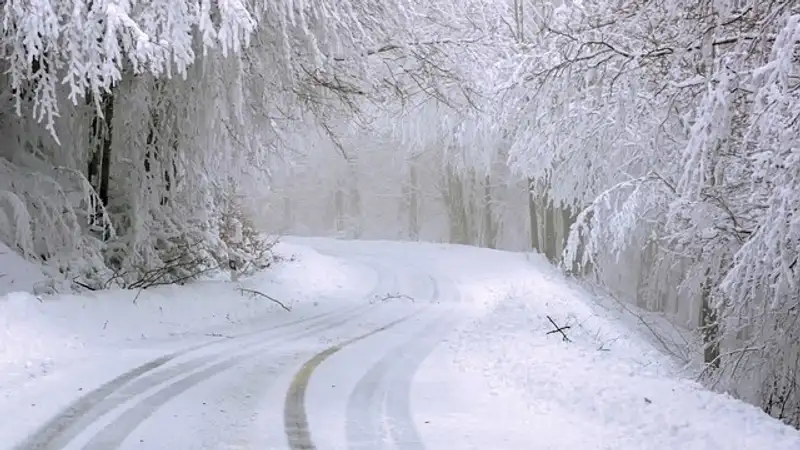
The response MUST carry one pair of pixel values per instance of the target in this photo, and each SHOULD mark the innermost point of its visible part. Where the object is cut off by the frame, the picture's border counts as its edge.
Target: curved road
(338, 379)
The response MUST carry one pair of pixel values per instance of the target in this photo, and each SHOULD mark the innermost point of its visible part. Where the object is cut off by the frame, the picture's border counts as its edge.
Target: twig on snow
(253, 292)
(83, 285)
(138, 293)
(219, 335)
(559, 329)
(395, 297)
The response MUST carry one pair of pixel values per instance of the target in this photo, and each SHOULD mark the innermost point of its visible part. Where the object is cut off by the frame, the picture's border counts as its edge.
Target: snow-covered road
(303, 374)
(432, 347)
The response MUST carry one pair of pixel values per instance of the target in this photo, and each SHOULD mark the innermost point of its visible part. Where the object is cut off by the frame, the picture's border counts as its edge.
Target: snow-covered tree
(671, 127)
(128, 123)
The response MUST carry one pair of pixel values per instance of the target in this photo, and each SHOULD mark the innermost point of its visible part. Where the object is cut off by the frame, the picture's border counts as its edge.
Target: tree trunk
(339, 206)
(413, 206)
(354, 207)
(160, 158)
(455, 200)
(709, 325)
(105, 165)
(549, 229)
(645, 259)
(99, 170)
(93, 175)
(534, 219)
(489, 227)
(567, 219)
(471, 213)
(287, 212)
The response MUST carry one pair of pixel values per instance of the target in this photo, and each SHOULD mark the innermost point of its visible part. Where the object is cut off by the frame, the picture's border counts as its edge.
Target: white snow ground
(471, 367)
(16, 274)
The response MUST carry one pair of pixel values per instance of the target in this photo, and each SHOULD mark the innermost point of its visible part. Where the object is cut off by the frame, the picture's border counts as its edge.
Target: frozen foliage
(87, 45)
(136, 131)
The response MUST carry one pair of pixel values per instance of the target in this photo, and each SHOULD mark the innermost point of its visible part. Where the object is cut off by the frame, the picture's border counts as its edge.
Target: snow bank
(308, 273)
(608, 387)
(27, 343)
(17, 274)
(483, 277)
(24, 344)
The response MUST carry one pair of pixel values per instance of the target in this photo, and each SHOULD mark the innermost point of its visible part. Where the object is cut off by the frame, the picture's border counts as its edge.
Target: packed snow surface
(387, 345)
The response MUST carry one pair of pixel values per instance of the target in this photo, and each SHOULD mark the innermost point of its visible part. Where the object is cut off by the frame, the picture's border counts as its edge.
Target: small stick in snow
(251, 291)
(219, 335)
(559, 329)
(397, 297)
(138, 293)
(83, 285)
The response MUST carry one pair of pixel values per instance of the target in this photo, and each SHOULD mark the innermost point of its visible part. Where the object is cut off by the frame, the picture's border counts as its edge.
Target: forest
(649, 148)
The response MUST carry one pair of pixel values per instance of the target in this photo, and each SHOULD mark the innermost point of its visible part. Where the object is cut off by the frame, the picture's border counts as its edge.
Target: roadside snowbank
(476, 271)
(608, 387)
(17, 274)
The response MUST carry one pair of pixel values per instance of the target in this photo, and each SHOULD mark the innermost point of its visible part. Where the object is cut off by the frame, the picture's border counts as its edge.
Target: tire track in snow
(81, 413)
(402, 430)
(365, 404)
(366, 416)
(113, 435)
(59, 430)
(294, 413)
(383, 392)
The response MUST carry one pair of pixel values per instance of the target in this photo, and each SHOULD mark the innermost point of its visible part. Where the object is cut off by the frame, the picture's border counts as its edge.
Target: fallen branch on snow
(83, 285)
(397, 296)
(219, 335)
(253, 292)
(559, 329)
